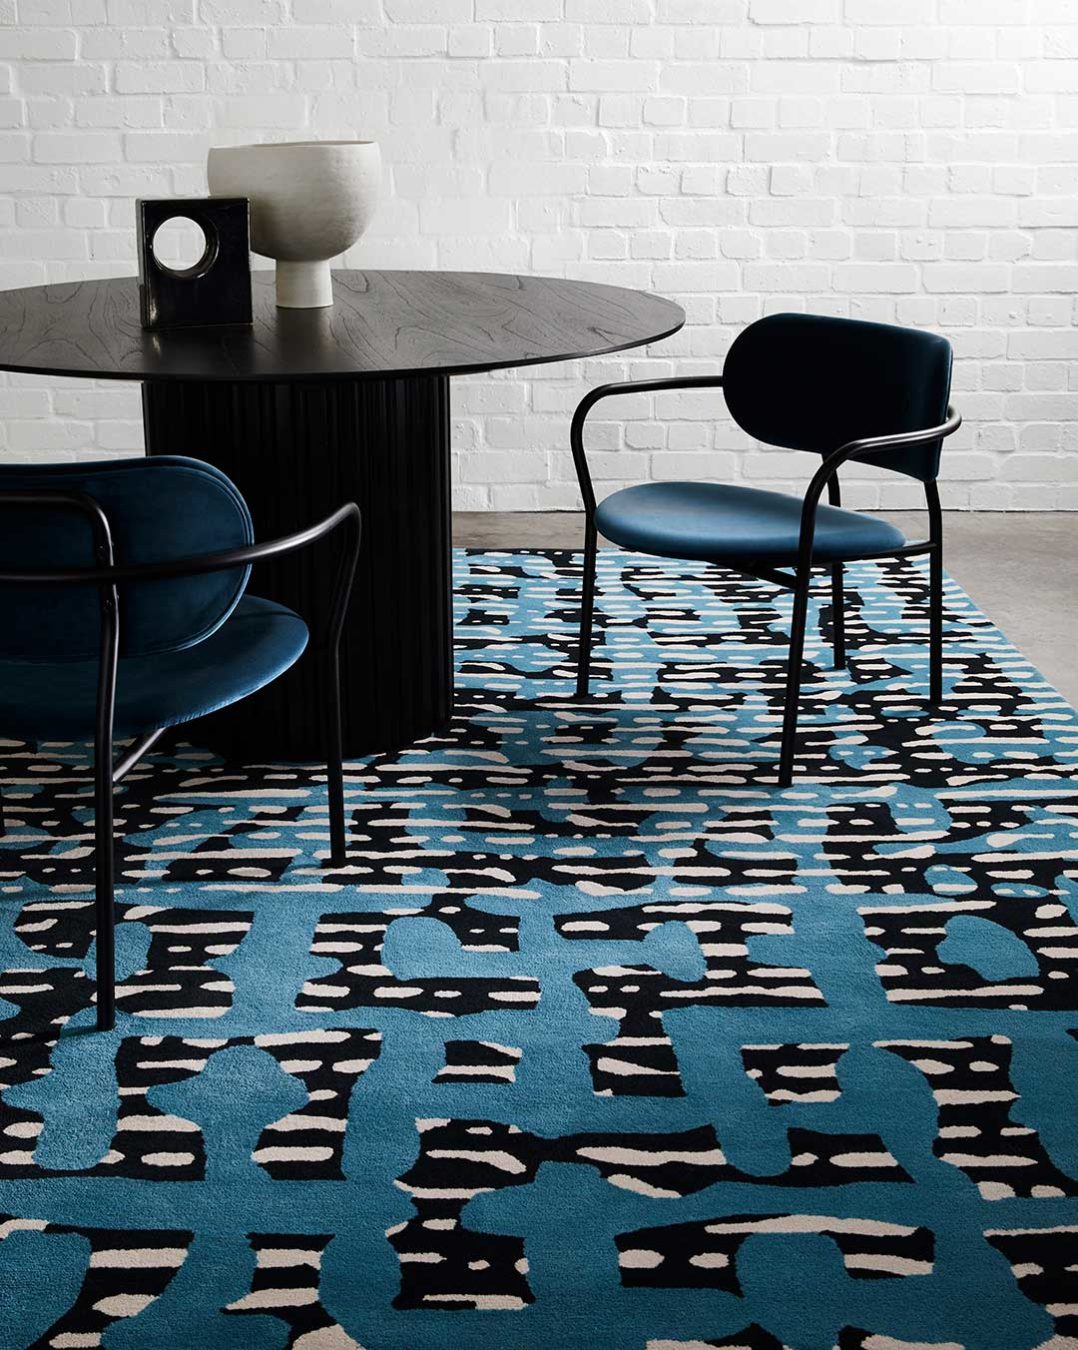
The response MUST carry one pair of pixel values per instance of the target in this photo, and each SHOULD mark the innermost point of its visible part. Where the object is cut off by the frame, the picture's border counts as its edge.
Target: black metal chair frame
(108, 773)
(799, 582)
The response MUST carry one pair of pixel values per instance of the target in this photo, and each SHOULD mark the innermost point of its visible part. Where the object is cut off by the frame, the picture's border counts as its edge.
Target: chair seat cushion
(58, 700)
(716, 521)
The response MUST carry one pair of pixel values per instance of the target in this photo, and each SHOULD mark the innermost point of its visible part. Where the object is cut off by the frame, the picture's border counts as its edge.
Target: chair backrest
(159, 509)
(809, 382)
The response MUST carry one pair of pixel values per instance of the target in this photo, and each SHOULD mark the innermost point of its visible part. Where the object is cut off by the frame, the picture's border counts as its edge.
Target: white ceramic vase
(310, 201)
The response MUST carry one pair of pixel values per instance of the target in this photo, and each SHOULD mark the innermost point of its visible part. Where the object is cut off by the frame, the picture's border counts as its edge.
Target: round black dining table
(306, 409)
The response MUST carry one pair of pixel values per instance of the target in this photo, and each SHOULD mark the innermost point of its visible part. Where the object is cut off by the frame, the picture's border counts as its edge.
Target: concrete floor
(1020, 568)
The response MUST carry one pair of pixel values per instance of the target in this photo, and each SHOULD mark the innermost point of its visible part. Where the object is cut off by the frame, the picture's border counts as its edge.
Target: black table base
(297, 451)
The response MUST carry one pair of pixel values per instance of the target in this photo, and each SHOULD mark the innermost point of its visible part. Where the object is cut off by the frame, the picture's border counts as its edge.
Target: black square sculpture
(217, 288)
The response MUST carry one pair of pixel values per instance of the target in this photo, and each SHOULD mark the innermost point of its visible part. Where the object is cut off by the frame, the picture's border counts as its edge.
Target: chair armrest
(859, 450)
(108, 577)
(869, 445)
(576, 431)
(196, 565)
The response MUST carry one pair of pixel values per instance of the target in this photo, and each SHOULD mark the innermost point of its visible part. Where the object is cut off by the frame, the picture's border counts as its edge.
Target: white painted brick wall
(903, 160)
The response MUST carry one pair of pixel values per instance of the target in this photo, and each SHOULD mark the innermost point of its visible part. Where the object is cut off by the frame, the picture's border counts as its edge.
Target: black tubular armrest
(860, 450)
(108, 576)
(186, 567)
(576, 431)
(870, 445)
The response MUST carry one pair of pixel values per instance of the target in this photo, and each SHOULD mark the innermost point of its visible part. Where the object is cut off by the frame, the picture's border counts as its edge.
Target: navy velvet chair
(839, 388)
(123, 611)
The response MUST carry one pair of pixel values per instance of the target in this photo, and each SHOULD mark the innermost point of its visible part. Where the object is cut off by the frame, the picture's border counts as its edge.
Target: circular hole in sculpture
(182, 247)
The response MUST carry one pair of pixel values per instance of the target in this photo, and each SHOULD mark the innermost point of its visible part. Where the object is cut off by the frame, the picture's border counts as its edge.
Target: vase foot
(304, 285)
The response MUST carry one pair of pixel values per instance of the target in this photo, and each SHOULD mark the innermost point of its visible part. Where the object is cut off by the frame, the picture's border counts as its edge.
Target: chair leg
(838, 616)
(338, 849)
(587, 609)
(935, 624)
(793, 678)
(105, 883)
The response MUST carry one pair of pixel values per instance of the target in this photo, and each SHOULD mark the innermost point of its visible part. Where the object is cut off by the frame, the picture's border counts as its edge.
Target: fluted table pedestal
(296, 451)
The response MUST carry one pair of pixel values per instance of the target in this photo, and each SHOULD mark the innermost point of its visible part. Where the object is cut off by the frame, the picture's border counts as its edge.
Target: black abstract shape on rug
(356, 940)
(178, 979)
(151, 1144)
(640, 1059)
(127, 1270)
(704, 1254)
(459, 1160)
(286, 1284)
(972, 1087)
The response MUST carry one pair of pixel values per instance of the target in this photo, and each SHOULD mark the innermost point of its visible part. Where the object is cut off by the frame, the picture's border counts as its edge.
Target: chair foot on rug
(104, 880)
(338, 842)
(792, 696)
(838, 616)
(587, 610)
(935, 630)
(935, 596)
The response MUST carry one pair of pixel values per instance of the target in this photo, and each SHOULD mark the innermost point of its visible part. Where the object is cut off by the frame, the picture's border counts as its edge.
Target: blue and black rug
(600, 1041)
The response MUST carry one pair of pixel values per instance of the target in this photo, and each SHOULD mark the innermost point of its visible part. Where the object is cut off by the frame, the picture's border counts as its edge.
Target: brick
(524, 180)
(290, 43)
(77, 147)
(795, 11)
(37, 44)
(967, 77)
(610, 76)
(976, 279)
(159, 77)
(280, 111)
(907, 13)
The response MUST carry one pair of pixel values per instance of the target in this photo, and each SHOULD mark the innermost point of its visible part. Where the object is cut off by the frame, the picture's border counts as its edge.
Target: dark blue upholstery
(712, 522)
(188, 645)
(57, 701)
(159, 508)
(809, 382)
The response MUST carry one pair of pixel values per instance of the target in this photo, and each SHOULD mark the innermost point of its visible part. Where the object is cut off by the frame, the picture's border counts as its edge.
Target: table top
(381, 324)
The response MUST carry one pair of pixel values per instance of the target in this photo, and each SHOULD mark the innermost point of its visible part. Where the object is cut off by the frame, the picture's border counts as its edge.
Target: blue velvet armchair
(842, 389)
(123, 596)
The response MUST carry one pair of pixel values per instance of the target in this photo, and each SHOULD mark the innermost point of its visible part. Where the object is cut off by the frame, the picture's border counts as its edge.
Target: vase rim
(289, 145)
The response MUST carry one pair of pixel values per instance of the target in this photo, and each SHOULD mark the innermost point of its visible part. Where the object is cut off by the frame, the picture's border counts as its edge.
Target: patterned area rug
(600, 1040)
